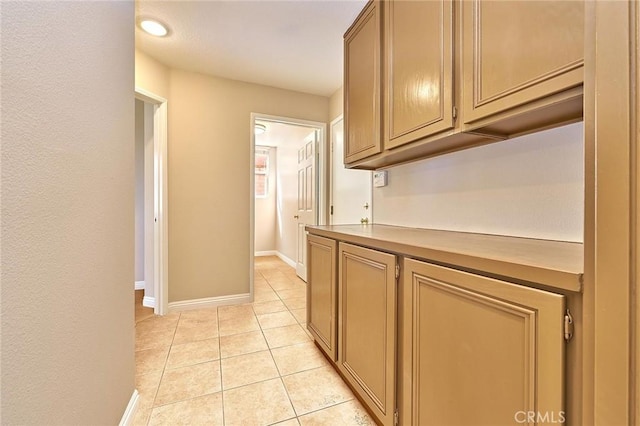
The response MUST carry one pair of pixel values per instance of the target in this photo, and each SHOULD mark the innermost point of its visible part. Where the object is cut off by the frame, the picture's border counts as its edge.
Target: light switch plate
(380, 179)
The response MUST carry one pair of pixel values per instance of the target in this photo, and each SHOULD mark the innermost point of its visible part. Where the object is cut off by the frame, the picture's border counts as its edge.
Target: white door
(306, 214)
(350, 189)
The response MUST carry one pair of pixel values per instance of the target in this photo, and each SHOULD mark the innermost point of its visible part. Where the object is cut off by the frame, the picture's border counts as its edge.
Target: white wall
(67, 228)
(139, 189)
(265, 215)
(531, 186)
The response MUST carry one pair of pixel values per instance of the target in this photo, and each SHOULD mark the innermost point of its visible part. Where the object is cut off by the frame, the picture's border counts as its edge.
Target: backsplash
(531, 186)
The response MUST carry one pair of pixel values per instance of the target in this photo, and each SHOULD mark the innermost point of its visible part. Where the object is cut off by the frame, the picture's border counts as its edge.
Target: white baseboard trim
(130, 411)
(286, 260)
(210, 302)
(139, 285)
(149, 302)
(265, 253)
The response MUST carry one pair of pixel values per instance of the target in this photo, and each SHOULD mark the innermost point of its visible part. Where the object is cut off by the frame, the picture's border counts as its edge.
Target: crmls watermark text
(539, 417)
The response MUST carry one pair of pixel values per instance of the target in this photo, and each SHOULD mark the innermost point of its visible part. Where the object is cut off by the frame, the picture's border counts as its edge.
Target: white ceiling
(280, 134)
(295, 45)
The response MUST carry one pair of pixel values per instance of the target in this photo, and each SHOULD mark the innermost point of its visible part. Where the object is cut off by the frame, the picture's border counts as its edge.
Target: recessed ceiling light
(153, 27)
(259, 128)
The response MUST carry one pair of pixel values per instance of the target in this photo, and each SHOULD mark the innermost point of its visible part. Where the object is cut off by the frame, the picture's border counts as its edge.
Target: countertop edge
(554, 277)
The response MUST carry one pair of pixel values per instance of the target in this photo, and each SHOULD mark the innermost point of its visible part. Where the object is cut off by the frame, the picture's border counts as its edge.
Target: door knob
(296, 217)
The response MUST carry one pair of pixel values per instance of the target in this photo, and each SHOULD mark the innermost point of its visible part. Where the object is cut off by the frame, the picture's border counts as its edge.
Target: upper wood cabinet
(516, 52)
(362, 85)
(458, 74)
(418, 64)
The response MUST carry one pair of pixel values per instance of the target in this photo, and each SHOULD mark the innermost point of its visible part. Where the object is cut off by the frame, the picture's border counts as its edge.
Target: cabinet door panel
(362, 85)
(321, 293)
(419, 67)
(483, 350)
(367, 324)
(519, 51)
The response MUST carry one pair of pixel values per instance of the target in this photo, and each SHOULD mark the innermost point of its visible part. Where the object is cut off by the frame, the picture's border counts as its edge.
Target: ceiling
(280, 134)
(294, 45)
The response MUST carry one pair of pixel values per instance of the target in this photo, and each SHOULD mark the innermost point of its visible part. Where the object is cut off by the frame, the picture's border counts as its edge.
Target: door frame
(331, 162)
(322, 179)
(160, 200)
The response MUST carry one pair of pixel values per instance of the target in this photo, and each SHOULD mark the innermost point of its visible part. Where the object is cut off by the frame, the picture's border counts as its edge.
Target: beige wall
(209, 168)
(532, 186)
(151, 75)
(67, 212)
(336, 104)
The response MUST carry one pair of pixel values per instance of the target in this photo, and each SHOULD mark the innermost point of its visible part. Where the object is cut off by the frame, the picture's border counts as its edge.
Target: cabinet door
(321, 292)
(362, 85)
(484, 351)
(418, 70)
(515, 52)
(367, 326)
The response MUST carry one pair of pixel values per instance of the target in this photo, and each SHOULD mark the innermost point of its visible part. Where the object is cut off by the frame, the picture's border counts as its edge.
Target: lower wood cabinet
(321, 293)
(367, 326)
(435, 345)
(483, 351)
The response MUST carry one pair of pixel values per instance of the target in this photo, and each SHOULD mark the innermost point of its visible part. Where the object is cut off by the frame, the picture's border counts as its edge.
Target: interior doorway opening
(350, 189)
(289, 186)
(151, 202)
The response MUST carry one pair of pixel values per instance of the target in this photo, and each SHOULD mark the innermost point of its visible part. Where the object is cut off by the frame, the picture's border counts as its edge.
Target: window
(262, 172)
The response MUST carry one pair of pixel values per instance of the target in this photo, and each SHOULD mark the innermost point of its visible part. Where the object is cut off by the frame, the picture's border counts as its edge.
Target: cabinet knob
(296, 217)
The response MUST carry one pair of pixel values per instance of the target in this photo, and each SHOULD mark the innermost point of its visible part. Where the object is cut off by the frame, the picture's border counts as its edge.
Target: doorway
(350, 189)
(152, 262)
(296, 174)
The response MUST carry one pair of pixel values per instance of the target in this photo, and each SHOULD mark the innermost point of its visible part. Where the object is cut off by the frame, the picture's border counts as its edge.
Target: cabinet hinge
(397, 271)
(568, 326)
(455, 113)
(395, 417)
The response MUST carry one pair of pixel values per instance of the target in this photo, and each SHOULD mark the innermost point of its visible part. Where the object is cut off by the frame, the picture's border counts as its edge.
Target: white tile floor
(251, 364)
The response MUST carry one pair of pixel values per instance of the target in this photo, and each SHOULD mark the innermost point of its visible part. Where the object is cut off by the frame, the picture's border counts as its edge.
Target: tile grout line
(220, 357)
(164, 368)
(284, 386)
(220, 361)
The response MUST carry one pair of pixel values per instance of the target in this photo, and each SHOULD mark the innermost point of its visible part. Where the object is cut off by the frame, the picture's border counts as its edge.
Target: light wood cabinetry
(519, 52)
(367, 326)
(362, 85)
(321, 293)
(458, 74)
(484, 351)
(418, 78)
(442, 345)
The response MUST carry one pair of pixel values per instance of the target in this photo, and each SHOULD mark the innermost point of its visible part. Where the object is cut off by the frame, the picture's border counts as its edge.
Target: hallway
(252, 364)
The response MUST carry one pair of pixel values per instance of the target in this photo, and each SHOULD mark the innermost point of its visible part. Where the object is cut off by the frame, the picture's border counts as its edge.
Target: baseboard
(210, 302)
(286, 260)
(282, 257)
(139, 285)
(130, 411)
(149, 302)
